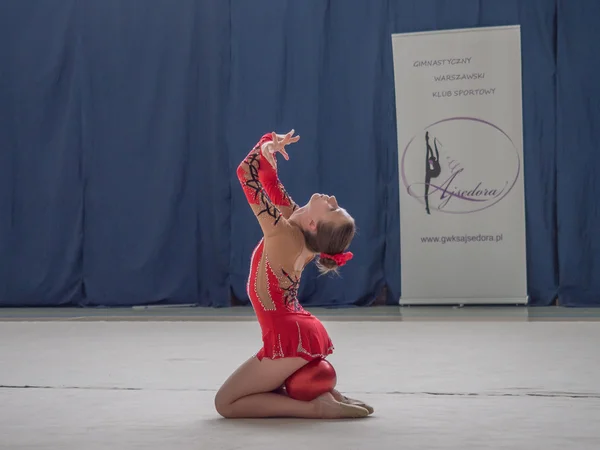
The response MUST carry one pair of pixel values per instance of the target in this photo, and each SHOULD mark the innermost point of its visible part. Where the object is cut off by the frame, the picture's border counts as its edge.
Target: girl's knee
(223, 405)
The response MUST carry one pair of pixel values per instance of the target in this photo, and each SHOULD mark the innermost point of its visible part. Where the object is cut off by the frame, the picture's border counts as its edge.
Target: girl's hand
(279, 141)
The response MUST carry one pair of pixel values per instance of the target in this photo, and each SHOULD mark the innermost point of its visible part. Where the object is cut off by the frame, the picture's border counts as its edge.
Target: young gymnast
(292, 337)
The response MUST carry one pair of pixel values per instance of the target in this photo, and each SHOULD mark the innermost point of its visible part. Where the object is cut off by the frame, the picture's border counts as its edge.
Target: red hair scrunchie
(340, 259)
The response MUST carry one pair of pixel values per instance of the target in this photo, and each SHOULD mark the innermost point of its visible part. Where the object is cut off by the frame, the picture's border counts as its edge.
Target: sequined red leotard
(287, 329)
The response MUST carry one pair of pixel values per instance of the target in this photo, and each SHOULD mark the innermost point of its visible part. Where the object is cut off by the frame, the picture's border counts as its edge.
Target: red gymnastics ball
(312, 380)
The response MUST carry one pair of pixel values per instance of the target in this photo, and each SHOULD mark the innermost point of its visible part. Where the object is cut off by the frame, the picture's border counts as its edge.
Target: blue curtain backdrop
(578, 152)
(122, 123)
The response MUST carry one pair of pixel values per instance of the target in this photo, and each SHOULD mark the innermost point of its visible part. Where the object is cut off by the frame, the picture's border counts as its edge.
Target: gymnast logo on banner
(460, 165)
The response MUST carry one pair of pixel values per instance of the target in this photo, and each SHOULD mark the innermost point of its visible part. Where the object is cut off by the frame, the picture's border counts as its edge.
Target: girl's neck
(306, 255)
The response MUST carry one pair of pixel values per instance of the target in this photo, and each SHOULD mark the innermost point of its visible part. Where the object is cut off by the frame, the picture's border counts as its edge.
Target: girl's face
(324, 208)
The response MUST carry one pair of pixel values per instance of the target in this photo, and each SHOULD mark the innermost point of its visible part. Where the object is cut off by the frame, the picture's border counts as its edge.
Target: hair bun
(328, 262)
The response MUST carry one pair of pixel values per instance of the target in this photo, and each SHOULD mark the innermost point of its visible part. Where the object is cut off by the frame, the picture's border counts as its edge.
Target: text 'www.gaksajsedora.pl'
(465, 239)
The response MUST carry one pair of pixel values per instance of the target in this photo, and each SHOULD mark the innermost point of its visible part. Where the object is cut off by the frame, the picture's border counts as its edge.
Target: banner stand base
(517, 301)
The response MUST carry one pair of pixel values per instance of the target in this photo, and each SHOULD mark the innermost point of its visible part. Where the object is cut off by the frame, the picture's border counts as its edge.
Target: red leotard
(287, 329)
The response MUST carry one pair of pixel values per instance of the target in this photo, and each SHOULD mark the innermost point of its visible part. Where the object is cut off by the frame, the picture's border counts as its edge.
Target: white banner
(460, 143)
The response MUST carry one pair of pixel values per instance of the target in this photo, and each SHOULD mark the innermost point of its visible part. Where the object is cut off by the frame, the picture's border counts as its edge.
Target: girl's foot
(350, 401)
(329, 408)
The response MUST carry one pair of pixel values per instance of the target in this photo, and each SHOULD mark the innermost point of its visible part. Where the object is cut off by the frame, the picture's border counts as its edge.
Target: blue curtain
(122, 123)
(41, 173)
(578, 152)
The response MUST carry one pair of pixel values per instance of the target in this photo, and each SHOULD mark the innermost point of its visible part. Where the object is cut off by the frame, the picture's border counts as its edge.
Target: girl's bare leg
(248, 393)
